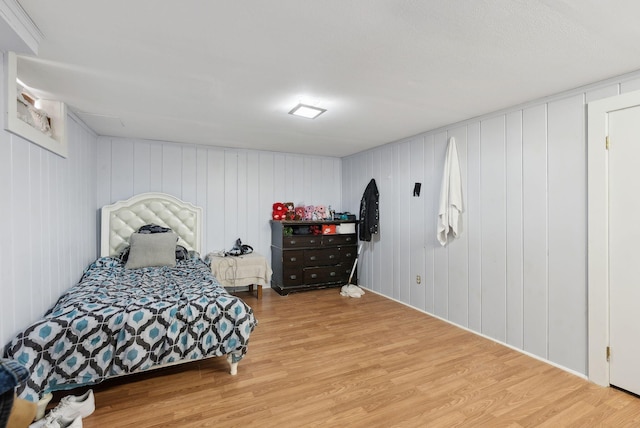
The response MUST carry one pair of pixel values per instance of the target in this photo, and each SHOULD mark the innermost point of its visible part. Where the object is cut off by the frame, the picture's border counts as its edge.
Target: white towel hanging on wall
(451, 207)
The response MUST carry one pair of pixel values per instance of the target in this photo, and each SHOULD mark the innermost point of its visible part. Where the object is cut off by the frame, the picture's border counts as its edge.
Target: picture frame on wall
(39, 120)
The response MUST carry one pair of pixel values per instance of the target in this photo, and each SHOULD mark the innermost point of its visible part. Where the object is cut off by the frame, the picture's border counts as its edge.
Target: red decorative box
(329, 229)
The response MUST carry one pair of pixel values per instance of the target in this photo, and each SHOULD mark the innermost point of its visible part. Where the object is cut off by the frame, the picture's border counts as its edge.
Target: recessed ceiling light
(305, 110)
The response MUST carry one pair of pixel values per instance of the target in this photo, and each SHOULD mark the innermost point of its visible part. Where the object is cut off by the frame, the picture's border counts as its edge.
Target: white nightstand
(241, 271)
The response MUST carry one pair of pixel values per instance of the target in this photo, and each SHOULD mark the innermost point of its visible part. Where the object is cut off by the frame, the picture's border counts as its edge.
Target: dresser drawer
(322, 257)
(325, 274)
(348, 254)
(301, 241)
(339, 240)
(294, 258)
(292, 276)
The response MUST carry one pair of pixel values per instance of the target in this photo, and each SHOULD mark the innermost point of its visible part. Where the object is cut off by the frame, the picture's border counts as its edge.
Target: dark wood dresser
(304, 261)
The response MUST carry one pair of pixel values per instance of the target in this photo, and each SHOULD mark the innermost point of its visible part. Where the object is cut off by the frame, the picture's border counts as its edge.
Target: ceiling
(226, 73)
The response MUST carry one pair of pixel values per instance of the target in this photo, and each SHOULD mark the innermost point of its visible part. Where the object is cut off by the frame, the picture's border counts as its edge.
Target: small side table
(241, 271)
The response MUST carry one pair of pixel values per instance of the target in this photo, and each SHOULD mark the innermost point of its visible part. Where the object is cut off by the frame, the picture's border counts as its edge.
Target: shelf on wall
(56, 112)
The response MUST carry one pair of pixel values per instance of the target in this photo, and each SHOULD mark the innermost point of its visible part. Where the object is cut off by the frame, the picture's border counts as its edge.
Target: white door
(624, 248)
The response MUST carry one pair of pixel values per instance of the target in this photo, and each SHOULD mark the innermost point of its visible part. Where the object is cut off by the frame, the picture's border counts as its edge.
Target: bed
(124, 318)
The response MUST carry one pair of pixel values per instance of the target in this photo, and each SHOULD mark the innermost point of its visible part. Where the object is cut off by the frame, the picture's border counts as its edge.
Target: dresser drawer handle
(312, 258)
(312, 241)
(292, 242)
(348, 255)
(332, 256)
(330, 240)
(293, 276)
(348, 239)
(314, 276)
(332, 274)
(293, 259)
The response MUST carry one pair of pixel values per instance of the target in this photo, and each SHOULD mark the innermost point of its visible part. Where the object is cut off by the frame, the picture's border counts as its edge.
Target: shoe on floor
(62, 422)
(69, 408)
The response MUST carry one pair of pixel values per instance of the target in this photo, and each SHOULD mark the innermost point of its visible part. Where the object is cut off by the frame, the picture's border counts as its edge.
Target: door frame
(598, 231)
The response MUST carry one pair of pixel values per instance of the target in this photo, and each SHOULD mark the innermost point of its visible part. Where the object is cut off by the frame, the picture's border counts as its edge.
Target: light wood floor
(318, 359)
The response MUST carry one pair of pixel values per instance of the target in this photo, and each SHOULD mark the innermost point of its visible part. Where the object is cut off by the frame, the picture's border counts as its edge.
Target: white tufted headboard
(121, 219)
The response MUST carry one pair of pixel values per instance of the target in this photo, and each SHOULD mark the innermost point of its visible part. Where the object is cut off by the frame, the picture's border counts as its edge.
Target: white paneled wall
(236, 188)
(49, 220)
(518, 272)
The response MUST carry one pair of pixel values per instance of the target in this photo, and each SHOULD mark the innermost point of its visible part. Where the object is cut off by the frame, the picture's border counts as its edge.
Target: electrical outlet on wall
(418, 279)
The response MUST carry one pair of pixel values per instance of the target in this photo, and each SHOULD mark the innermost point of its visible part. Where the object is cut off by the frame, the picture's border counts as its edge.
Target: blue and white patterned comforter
(118, 321)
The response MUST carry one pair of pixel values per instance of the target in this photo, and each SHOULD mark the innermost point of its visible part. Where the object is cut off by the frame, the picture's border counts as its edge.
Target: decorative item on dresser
(302, 260)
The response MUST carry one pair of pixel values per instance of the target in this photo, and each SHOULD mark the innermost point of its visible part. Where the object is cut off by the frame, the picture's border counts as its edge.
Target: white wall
(236, 188)
(48, 214)
(518, 272)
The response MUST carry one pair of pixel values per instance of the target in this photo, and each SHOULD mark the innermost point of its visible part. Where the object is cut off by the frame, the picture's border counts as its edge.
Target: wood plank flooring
(318, 359)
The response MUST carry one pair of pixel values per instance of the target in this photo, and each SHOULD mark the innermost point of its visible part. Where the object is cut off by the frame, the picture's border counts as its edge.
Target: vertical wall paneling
(567, 239)
(299, 196)
(50, 219)
(375, 263)
(122, 177)
(458, 249)
(236, 188)
(522, 257)
(257, 214)
(535, 235)
(347, 181)
(214, 213)
(142, 169)
(514, 227)
(74, 264)
(387, 219)
(201, 176)
(307, 180)
(7, 271)
(47, 233)
(171, 168)
(360, 176)
(417, 224)
(430, 187)
(280, 176)
(56, 187)
(317, 182)
(404, 224)
(289, 185)
(474, 225)
(242, 206)
(103, 189)
(156, 163)
(399, 242)
(440, 253)
(493, 212)
(327, 178)
(34, 211)
(189, 174)
(267, 192)
(21, 230)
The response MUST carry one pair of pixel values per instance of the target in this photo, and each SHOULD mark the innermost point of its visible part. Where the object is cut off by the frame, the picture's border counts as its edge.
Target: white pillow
(152, 249)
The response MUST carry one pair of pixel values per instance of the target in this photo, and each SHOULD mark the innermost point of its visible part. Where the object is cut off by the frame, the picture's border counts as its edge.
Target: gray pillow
(156, 249)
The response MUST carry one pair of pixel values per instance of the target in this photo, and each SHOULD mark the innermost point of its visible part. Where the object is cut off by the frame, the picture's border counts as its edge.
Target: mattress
(117, 321)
